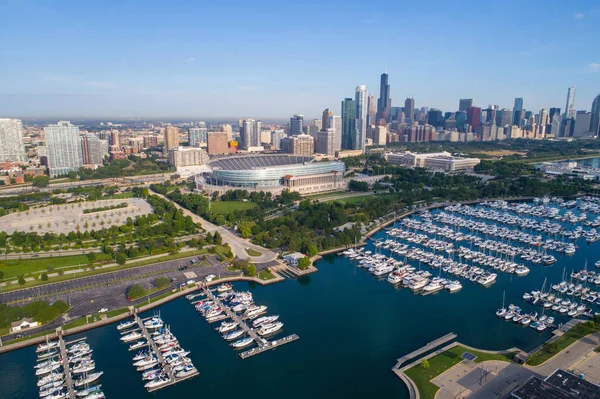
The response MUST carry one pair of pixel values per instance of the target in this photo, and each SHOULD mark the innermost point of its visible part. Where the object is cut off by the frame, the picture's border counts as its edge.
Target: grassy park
(442, 362)
(226, 207)
(18, 267)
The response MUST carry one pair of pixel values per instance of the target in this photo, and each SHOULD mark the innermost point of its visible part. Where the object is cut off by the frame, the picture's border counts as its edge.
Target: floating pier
(165, 366)
(268, 346)
(263, 344)
(66, 367)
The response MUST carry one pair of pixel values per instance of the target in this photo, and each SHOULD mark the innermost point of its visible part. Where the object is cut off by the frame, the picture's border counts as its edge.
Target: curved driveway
(238, 245)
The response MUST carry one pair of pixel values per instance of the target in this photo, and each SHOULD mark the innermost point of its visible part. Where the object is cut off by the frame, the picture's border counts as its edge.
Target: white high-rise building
(250, 133)
(544, 116)
(197, 136)
(570, 111)
(11, 141)
(362, 107)
(337, 138)
(64, 148)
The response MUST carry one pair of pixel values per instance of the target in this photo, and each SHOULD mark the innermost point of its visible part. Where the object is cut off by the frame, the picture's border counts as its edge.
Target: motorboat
(86, 380)
(48, 369)
(84, 367)
(126, 324)
(264, 320)
(46, 346)
(141, 343)
(255, 311)
(131, 336)
(242, 342)
(187, 371)
(52, 377)
(234, 334)
(162, 380)
(89, 390)
(224, 287)
(266, 329)
(226, 327)
(145, 361)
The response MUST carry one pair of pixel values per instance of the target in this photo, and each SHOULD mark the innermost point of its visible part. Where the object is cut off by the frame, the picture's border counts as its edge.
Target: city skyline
(115, 63)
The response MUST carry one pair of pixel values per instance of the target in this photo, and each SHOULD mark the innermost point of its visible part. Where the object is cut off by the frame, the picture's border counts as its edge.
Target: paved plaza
(65, 218)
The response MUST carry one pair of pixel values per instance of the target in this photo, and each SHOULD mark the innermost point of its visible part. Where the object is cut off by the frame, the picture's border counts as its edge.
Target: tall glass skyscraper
(384, 104)
(296, 125)
(595, 123)
(250, 133)
(11, 141)
(64, 148)
(570, 111)
(348, 123)
(362, 104)
(518, 107)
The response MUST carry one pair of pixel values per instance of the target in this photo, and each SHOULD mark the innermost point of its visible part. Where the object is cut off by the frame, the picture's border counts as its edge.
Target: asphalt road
(238, 245)
(88, 295)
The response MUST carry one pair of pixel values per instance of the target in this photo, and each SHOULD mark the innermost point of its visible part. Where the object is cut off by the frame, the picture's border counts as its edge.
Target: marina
(322, 303)
(67, 370)
(161, 360)
(246, 328)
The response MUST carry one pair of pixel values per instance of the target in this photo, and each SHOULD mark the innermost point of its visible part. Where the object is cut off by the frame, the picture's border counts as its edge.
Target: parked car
(103, 310)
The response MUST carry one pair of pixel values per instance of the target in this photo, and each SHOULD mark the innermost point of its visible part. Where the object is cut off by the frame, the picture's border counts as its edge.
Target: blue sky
(276, 58)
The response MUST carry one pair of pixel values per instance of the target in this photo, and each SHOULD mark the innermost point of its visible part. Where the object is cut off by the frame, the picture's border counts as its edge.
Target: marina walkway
(66, 367)
(429, 347)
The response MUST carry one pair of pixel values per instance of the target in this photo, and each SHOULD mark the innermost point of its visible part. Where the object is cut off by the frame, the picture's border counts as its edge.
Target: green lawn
(442, 362)
(127, 265)
(16, 267)
(253, 252)
(95, 317)
(265, 275)
(568, 338)
(125, 195)
(225, 207)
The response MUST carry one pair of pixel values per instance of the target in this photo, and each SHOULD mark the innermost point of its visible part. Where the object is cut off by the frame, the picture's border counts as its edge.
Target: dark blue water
(589, 163)
(352, 327)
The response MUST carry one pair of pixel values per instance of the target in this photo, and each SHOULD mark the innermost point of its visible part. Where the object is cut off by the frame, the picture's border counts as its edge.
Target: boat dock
(268, 346)
(231, 314)
(65, 361)
(429, 347)
(263, 344)
(164, 364)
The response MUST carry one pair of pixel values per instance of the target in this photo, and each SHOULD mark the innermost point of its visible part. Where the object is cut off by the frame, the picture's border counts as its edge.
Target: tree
(304, 263)
(72, 175)
(425, 363)
(162, 282)
(91, 258)
(44, 277)
(312, 250)
(250, 270)
(21, 280)
(217, 238)
(136, 291)
(121, 258)
(40, 181)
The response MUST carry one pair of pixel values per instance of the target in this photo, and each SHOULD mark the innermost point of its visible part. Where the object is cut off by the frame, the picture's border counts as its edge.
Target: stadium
(272, 172)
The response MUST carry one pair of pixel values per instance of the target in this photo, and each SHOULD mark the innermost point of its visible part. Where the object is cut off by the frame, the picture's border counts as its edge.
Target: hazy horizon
(270, 60)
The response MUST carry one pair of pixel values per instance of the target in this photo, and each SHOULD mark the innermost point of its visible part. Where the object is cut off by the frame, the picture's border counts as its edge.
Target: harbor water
(352, 328)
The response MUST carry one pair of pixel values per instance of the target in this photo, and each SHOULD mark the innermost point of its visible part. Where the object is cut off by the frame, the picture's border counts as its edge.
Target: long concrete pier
(430, 346)
(173, 379)
(66, 367)
(263, 344)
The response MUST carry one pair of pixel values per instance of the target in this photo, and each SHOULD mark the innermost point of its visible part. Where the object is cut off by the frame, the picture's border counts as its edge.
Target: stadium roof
(258, 161)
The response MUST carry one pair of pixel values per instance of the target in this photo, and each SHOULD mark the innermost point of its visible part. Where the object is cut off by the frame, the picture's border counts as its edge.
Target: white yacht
(90, 378)
(243, 342)
(264, 320)
(234, 334)
(255, 311)
(131, 336)
(226, 327)
(270, 328)
(126, 324)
